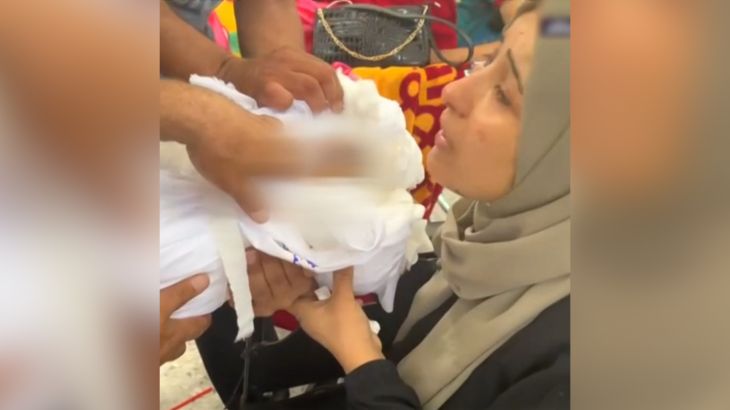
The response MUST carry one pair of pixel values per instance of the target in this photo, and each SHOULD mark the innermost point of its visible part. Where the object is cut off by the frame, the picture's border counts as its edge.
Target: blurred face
(475, 154)
(631, 95)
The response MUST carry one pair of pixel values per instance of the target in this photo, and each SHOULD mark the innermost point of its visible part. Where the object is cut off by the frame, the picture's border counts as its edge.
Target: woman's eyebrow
(515, 71)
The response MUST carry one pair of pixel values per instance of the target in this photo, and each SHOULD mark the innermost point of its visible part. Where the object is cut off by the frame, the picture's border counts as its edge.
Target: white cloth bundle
(322, 225)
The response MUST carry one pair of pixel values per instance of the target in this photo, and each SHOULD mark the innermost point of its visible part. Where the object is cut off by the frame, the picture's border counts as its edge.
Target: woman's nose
(459, 95)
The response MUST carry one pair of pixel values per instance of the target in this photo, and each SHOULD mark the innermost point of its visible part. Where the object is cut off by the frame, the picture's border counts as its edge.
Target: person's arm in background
(274, 80)
(267, 25)
(184, 50)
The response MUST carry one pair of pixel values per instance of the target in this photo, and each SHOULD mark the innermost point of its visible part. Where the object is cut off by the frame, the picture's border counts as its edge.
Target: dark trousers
(296, 360)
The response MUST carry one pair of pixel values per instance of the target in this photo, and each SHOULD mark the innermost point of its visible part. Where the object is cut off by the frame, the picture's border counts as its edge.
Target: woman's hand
(274, 283)
(339, 324)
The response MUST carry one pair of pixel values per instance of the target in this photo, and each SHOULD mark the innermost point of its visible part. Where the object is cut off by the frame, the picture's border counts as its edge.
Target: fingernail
(251, 256)
(338, 107)
(199, 282)
(260, 216)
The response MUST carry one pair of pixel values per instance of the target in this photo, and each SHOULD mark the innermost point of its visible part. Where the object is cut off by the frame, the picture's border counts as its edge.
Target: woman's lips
(441, 141)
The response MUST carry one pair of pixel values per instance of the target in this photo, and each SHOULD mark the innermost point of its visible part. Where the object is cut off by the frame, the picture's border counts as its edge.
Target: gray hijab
(509, 260)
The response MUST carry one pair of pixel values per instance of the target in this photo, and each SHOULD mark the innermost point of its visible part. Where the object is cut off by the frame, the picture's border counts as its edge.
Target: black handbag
(372, 36)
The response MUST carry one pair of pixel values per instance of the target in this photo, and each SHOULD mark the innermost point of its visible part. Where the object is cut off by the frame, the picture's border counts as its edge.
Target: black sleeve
(377, 385)
(546, 389)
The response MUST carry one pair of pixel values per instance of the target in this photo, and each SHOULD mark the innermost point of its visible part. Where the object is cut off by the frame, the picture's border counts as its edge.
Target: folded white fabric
(320, 224)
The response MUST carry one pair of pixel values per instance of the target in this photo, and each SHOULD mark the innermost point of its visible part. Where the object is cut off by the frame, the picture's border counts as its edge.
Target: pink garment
(220, 34)
(346, 70)
(308, 14)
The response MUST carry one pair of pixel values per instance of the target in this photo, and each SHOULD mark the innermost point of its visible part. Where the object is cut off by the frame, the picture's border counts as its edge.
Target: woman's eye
(501, 96)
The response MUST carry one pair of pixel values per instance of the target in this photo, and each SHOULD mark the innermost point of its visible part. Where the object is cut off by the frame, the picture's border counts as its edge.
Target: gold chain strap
(379, 57)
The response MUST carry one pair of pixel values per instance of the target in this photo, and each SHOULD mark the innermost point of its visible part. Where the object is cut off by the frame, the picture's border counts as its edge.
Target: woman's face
(475, 154)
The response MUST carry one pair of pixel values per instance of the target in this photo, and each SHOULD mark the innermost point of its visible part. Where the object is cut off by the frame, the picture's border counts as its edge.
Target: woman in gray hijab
(490, 329)
(486, 325)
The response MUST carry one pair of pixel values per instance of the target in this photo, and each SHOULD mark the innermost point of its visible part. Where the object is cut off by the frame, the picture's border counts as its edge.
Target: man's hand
(225, 143)
(277, 79)
(229, 154)
(339, 324)
(175, 332)
(228, 144)
(275, 284)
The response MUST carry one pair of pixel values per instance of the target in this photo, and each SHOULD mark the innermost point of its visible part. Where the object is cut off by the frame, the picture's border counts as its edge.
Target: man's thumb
(175, 296)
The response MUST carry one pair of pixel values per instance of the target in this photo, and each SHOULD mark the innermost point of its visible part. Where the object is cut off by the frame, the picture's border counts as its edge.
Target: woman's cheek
(492, 154)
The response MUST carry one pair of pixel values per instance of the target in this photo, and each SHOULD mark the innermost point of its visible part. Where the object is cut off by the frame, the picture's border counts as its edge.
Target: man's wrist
(223, 66)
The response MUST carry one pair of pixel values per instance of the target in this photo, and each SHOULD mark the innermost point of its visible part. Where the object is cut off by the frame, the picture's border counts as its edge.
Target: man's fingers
(247, 197)
(180, 331)
(194, 327)
(342, 284)
(327, 79)
(307, 88)
(175, 296)
(334, 94)
(275, 96)
(331, 86)
(173, 353)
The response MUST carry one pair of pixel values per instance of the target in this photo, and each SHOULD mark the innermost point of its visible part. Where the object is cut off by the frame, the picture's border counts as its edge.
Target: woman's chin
(439, 167)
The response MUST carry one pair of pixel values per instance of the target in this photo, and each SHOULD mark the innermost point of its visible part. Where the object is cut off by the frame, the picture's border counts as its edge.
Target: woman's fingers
(342, 284)
(304, 307)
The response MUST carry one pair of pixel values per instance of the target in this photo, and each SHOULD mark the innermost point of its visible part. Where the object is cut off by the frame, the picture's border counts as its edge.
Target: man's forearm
(266, 25)
(185, 51)
(183, 111)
